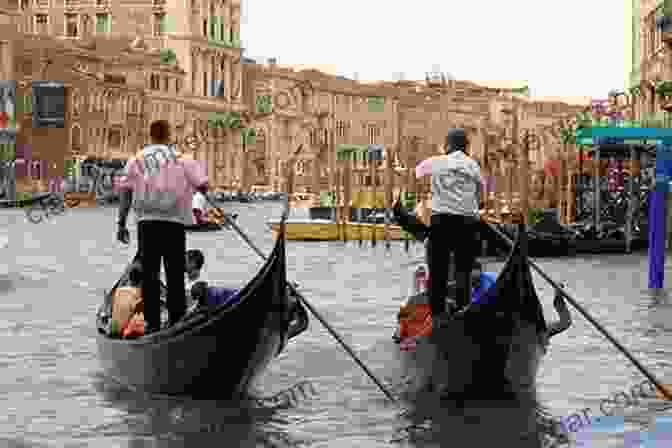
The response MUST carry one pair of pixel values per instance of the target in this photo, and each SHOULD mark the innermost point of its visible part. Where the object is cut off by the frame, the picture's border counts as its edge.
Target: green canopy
(360, 152)
(351, 152)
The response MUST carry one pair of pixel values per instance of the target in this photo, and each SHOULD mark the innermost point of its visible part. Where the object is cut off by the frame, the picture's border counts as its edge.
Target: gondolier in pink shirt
(456, 196)
(159, 183)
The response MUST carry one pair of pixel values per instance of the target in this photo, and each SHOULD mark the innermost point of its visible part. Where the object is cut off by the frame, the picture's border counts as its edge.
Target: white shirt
(199, 202)
(456, 183)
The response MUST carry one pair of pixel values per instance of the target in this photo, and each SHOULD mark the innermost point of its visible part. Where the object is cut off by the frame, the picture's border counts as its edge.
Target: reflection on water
(52, 393)
(186, 422)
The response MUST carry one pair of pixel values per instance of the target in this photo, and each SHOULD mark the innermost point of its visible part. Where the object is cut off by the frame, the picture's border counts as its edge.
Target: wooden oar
(313, 311)
(666, 393)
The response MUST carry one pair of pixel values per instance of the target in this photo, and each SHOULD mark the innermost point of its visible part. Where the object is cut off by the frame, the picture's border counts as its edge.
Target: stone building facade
(297, 109)
(651, 64)
(159, 59)
(182, 61)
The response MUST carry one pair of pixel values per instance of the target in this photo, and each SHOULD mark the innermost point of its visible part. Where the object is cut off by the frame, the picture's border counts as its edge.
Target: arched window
(36, 169)
(75, 137)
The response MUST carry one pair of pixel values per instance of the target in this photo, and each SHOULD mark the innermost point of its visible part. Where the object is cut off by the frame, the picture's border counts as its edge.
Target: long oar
(667, 394)
(312, 310)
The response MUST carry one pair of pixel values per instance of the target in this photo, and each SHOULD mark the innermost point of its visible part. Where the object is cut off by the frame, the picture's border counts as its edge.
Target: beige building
(651, 64)
(159, 59)
(296, 109)
(182, 61)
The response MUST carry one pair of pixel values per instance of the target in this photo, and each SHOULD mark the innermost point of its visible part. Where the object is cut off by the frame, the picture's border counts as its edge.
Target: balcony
(103, 4)
(74, 4)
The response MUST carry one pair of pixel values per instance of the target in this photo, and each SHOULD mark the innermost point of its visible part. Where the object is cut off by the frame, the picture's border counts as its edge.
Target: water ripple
(53, 394)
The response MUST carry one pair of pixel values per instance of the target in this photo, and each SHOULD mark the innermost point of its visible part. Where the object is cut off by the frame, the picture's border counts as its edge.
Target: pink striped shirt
(163, 183)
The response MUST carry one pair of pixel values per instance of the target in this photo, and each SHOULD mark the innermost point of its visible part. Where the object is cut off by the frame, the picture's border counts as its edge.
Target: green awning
(351, 152)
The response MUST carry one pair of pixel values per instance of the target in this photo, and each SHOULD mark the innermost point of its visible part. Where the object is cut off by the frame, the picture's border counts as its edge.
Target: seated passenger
(211, 296)
(127, 300)
(198, 292)
(135, 327)
(481, 282)
(193, 265)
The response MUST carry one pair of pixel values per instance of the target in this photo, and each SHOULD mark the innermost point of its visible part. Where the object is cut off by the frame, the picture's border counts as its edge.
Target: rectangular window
(159, 24)
(205, 83)
(71, 22)
(205, 28)
(102, 23)
(165, 84)
(222, 32)
(41, 23)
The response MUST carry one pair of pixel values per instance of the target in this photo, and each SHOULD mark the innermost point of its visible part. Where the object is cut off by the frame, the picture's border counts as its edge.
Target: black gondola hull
(491, 347)
(216, 353)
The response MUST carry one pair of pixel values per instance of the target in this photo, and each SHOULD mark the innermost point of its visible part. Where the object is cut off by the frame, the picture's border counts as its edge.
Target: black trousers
(168, 241)
(456, 235)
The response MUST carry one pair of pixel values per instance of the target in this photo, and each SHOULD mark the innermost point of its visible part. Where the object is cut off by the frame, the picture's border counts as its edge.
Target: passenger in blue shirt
(481, 282)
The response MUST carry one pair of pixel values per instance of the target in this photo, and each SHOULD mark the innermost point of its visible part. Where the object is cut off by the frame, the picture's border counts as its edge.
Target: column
(212, 160)
(271, 146)
(228, 91)
(658, 219)
(238, 83)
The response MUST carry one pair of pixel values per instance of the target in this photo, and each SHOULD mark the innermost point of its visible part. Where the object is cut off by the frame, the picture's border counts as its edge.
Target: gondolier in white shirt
(456, 196)
(159, 184)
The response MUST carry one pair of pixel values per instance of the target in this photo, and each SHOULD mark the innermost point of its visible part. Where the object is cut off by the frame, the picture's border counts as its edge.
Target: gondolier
(163, 183)
(456, 188)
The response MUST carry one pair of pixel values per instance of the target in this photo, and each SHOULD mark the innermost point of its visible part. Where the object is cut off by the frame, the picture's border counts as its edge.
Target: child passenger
(128, 305)
(198, 291)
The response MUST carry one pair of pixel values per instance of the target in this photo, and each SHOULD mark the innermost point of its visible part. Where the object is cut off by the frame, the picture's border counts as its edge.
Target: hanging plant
(248, 136)
(264, 104)
(168, 56)
(664, 89)
(226, 120)
(567, 135)
(635, 91)
(584, 120)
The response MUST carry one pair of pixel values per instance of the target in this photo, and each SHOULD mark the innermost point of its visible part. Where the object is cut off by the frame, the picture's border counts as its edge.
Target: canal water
(52, 392)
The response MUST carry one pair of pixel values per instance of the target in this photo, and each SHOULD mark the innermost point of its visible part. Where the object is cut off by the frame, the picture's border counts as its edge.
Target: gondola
(491, 347)
(215, 353)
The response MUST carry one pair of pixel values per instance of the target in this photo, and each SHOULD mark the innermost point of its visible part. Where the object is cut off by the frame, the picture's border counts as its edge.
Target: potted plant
(168, 56)
(264, 104)
(664, 91)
